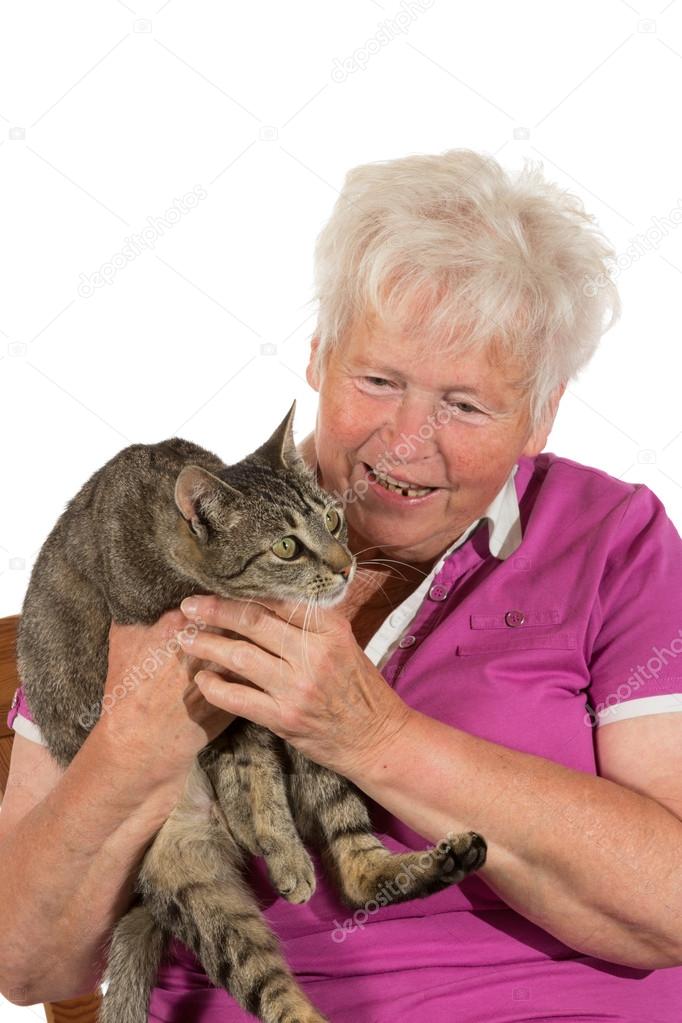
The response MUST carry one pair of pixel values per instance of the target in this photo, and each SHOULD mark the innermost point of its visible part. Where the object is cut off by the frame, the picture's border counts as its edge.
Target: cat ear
(280, 451)
(200, 496)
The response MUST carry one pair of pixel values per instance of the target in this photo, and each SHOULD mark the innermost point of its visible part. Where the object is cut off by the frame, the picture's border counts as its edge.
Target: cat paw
(297, 889)
(415, 875)
(460, 855)
(292, 875)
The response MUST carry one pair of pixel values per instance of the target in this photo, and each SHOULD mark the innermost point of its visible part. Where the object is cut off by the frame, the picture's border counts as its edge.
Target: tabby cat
(153, 525)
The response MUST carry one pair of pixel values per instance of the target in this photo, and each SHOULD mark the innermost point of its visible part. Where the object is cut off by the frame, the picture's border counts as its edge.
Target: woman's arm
(68, 864)
(71, 842)
(593, 863)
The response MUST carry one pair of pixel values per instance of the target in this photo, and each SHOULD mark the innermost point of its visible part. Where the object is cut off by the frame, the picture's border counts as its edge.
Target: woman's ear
(312, 373)
(538, 438)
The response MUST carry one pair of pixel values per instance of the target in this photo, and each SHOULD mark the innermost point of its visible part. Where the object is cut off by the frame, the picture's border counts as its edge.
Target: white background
(111, 111)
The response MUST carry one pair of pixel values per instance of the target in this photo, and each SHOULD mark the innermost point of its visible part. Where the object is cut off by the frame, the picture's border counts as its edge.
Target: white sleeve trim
(29, 730)
(639, 707)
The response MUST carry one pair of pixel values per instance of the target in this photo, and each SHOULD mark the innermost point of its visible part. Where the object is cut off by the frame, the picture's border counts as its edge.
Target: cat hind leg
(223, 926)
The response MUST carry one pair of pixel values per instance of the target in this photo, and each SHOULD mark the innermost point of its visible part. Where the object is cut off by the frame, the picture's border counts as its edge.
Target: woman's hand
(152, 710)
(315, 687)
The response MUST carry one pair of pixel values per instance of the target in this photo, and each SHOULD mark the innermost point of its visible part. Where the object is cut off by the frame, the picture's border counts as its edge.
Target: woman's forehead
(382, 349)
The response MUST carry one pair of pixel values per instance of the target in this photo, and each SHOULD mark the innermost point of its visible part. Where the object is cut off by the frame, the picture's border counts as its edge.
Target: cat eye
(286, 548)
(332, 519)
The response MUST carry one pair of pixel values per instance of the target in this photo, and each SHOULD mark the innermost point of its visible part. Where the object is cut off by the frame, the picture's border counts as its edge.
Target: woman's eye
(465, 407)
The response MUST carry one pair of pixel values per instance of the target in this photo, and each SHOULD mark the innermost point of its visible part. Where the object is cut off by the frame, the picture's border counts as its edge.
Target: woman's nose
(412, 423)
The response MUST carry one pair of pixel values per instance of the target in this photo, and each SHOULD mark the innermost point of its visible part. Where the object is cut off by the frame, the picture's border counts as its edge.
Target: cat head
(263, 527)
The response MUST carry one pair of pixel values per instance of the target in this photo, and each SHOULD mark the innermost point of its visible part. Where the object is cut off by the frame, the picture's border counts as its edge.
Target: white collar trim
(504, 524)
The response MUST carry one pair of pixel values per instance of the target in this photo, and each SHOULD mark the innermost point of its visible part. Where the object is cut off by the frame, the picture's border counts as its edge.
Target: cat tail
(135, 952)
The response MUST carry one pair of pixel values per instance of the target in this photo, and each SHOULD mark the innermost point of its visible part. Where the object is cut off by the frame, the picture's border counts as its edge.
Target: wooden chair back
(75, 1010)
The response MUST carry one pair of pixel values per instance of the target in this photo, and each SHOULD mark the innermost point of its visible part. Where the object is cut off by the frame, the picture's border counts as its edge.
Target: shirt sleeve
(21, 720)
(636, 660)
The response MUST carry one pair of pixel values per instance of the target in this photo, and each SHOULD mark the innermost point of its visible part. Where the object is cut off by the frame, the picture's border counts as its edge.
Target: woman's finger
(240, 656)
(274, 628)
(242, 701)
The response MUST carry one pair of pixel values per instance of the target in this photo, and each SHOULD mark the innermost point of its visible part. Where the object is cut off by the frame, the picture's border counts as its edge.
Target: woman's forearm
(593, 863)
(84, 843)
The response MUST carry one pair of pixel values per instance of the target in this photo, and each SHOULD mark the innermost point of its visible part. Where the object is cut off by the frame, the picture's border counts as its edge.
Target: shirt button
(438, 593)
(407, 641)
(399, 617)
(514, 618)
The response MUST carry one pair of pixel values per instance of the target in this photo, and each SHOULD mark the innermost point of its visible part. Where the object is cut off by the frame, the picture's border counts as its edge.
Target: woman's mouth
(394, 490)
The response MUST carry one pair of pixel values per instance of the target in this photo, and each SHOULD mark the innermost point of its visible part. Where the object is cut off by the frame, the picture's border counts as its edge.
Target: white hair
(462, 256)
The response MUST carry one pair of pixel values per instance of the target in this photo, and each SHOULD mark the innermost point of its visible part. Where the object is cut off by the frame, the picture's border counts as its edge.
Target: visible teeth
(391, 479)
(390, 483)
(401, 488)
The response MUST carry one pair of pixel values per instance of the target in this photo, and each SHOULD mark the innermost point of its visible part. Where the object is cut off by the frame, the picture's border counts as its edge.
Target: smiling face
(451, 422)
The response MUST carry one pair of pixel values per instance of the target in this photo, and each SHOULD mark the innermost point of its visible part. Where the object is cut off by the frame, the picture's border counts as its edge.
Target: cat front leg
(246, 771)
(332, 813)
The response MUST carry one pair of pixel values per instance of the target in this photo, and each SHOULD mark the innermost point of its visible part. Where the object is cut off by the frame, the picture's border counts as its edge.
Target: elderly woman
(483, 672)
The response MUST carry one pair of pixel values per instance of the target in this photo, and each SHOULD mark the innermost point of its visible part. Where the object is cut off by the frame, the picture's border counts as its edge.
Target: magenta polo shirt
(575, 623)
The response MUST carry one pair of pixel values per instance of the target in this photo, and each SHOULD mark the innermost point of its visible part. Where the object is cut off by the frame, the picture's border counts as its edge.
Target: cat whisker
(392, 571)
(281, 649)
(384, 593)
(310, 609)
(392, 561)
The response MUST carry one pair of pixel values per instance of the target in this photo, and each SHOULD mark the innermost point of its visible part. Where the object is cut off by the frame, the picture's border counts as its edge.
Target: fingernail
(189, 606)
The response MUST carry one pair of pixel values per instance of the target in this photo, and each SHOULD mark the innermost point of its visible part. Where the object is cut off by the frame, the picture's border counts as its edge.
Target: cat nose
(345, 572)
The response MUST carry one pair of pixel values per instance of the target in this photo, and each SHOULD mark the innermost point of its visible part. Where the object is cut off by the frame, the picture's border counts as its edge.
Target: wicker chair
(75, 1010)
